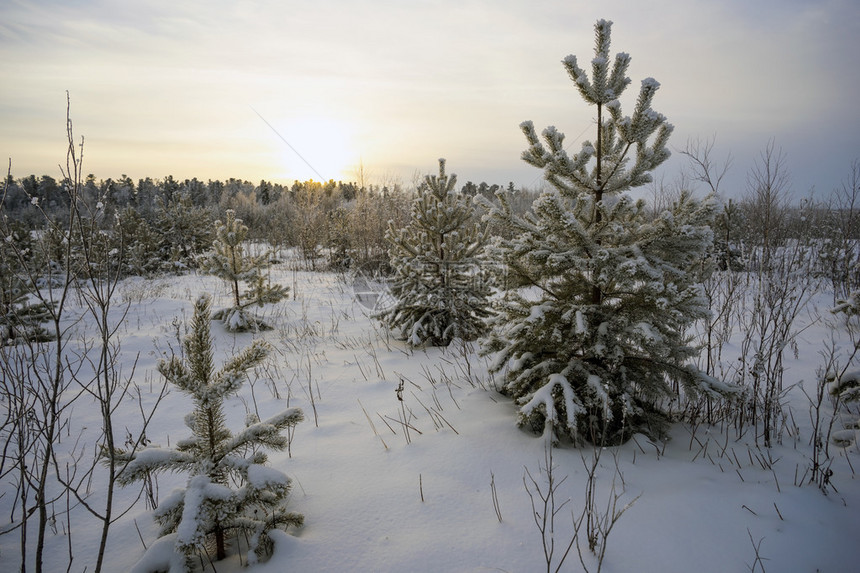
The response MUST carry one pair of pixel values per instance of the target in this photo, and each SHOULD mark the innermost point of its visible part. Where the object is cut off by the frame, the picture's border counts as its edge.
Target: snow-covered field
(379, 496)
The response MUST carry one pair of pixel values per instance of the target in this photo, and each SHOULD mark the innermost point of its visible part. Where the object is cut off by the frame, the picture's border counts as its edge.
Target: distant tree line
(166, 225)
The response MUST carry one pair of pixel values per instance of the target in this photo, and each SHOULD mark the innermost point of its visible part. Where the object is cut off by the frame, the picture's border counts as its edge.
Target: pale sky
(174, 87)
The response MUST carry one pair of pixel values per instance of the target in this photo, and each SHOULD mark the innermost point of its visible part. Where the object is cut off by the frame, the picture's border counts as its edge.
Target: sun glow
(316, 148)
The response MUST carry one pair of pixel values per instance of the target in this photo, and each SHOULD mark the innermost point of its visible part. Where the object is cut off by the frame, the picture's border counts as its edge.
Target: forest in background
(165, 225)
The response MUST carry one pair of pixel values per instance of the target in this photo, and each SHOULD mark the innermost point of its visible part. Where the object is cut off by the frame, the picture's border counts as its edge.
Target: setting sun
(314, 148)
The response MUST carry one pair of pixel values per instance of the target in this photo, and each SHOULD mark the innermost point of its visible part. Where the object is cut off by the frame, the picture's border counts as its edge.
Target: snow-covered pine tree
(184, 231)
(440, 281)
(208, 509)
(142, 257)
(591, 335)
(845, 384)
(21, 317)
(229, 261)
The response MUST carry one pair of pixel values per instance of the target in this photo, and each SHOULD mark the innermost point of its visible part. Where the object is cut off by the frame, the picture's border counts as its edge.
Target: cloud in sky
(162, 87)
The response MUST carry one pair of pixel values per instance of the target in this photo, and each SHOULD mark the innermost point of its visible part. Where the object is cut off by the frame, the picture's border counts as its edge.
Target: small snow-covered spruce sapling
(21, 318)
(229, 261)
(591, 333)
(208, 511)
(440, 283)
(844, 384)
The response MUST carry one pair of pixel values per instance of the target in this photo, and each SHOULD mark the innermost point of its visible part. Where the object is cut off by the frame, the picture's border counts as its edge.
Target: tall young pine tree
(208, 510)
(591, 333)
(440, 283)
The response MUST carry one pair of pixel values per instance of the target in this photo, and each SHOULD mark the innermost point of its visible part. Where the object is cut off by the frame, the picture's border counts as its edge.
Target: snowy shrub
(208, 509)
(592, 332)
(367, 224)
(439, 283)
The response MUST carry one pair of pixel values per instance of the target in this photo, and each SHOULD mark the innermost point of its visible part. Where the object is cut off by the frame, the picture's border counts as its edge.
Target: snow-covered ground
(378, 496)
